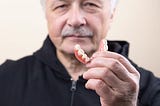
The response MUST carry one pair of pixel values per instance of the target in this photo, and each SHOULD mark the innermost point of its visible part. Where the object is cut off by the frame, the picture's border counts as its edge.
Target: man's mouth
(78, 39)
(77, 36)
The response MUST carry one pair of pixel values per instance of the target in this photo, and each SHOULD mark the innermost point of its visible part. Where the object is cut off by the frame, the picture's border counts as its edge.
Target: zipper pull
(74, 84)
(73, 89)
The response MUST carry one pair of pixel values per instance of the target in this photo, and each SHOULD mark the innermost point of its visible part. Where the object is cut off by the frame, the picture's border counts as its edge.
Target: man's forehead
(76, 0)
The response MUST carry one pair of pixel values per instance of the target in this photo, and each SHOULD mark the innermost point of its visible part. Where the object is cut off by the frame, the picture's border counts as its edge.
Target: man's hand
(113, 78)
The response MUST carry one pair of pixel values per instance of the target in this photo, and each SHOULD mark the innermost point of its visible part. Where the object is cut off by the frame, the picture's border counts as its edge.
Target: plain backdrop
(23, 29)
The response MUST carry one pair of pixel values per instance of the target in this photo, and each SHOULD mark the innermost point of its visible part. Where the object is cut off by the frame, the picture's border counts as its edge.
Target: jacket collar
(47, 55)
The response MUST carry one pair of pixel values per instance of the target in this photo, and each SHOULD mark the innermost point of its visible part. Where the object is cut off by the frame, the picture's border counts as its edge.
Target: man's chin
(68, 47)
(68, 51)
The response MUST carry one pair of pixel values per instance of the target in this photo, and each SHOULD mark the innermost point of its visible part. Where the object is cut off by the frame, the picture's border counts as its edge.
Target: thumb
(103, 45)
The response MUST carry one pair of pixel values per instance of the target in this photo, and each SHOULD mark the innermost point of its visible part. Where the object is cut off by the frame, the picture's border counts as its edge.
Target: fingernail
(84, 76)
(93, 56)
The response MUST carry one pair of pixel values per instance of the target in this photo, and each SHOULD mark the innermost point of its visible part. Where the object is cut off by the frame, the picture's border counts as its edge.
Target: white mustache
(78, 31)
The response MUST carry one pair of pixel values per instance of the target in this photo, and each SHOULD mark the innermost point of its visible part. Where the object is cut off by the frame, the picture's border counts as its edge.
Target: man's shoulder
(15, 65)
(149, 91)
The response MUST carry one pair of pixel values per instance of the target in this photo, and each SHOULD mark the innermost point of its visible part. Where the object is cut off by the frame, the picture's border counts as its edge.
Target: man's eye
(63, 6)
(90, 5)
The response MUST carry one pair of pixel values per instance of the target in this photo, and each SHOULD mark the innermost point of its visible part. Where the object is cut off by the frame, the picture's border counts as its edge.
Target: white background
(23, 29)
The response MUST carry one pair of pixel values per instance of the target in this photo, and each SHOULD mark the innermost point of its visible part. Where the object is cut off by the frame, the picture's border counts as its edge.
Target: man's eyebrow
(59, 0)
(54, 1)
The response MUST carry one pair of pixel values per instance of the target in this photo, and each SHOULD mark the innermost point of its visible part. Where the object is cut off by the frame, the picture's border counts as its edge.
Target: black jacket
(41, 80)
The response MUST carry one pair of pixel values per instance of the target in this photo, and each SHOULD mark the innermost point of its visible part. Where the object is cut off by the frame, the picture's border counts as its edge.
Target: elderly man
(53, 76)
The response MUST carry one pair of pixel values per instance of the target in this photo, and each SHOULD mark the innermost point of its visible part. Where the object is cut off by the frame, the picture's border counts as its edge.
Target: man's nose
(76, 18)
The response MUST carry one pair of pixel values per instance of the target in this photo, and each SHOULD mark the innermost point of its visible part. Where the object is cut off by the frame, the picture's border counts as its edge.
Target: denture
(82, 56)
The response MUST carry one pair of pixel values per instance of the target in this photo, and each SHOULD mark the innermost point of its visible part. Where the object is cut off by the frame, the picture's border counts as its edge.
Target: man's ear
(112, 14)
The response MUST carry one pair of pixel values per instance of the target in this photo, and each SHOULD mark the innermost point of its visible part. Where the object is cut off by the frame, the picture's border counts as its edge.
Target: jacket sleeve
(149, 92)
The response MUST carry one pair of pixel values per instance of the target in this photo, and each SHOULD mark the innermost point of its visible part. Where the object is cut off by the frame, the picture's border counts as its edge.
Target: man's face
(83, 22)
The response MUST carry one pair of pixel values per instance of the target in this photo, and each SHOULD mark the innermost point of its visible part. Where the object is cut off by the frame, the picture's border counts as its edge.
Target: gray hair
(43, 3)
(113, 4)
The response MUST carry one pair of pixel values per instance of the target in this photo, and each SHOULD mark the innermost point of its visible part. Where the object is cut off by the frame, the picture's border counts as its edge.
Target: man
(53, 76)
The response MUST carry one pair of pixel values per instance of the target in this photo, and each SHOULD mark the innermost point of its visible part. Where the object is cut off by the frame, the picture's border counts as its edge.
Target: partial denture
(82, 56)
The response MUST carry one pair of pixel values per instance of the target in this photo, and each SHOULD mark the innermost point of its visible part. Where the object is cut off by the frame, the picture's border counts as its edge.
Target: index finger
(125, 62)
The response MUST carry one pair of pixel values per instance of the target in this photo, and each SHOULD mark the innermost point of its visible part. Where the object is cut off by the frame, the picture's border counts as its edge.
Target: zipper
(73, 89)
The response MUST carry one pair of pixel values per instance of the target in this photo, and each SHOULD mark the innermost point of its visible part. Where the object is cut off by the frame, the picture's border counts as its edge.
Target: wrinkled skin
(78, 13)
(113, 78)
(111, 75)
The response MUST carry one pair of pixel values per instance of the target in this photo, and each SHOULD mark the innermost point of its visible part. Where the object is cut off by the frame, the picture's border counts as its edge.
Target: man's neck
(72, 65)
